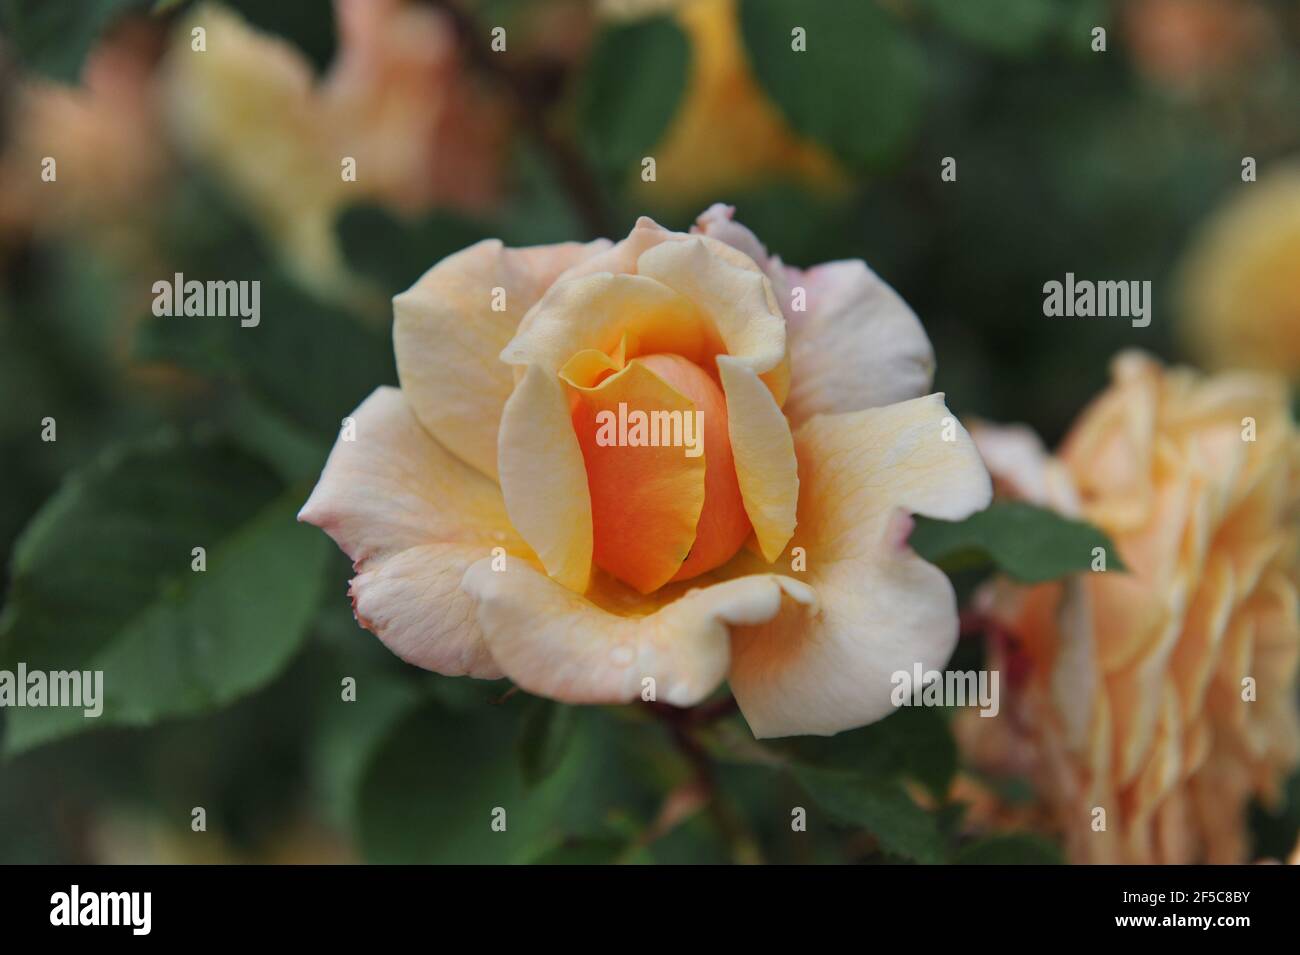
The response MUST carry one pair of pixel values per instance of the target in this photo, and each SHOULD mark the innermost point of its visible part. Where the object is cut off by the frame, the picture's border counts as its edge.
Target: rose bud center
(665, 500)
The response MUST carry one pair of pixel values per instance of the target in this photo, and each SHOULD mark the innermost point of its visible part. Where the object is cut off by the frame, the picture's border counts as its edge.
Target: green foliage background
(224, 687)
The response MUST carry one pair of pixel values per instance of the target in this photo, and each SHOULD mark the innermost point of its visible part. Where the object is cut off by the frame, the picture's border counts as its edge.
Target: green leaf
(859, 86)
(102, 580)
(54, 38)
(430, 787)
(1276, 827)
(1007, 27)
(915, 742)
(590, 851)
(881, 807)
(350, 731)
(1010, 849)
(545, 734)
(305, 361)
(1030, 544)
(635, 77)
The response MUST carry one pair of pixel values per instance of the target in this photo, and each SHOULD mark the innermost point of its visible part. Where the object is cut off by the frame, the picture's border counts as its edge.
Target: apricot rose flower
(494, 534)
(1165, 695)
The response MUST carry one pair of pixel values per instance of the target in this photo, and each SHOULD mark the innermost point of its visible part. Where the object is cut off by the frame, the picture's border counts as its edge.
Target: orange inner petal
(659, 513)
(723, 525)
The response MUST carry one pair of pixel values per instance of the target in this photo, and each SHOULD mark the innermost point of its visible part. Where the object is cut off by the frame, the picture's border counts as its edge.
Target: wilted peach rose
(395, 100)
(726, 134)
(1165, 696)
(1240, 283)
(495, 533)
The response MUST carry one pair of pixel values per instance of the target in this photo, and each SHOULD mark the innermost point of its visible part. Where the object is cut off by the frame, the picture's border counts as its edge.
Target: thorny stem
(529, 104)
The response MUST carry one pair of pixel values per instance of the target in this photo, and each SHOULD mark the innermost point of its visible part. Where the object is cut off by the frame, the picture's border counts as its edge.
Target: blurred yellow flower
(727, 134)
(394, 101)
(1165, 696)
(1240, 281)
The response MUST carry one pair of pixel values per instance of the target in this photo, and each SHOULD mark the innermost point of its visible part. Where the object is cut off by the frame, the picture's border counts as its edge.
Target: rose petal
(736, 297)
(411, 516)
(447, 338)
(857, 345)
(605, 312)
(883, 608)
(558, 644)
(763, 449)
(1022, 469)
(544, 478)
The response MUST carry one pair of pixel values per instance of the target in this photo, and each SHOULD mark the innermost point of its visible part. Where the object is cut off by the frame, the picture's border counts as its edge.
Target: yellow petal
(883, 608)
(544, 478)
(734, 294)
(727, 134)
(447, 336)
(763, 449)
(604, 312)
(558, 644)
(249, 109)
(412, 517)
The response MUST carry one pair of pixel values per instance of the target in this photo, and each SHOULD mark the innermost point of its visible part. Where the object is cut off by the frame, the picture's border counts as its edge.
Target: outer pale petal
(447, 336)
(858, 344)
(544, 479)
(883, 608)
(412, 517)
(1022, 469)
(558, 644)
(855, 344)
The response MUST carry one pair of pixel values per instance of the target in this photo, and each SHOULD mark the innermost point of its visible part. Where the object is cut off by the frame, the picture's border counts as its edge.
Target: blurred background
(1117, 155)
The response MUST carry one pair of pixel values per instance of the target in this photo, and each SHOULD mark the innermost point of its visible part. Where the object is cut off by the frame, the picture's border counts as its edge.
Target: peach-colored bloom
(1167, 695)
(104, 139)
(487, 536)
(1240, 282)
(395, 100)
